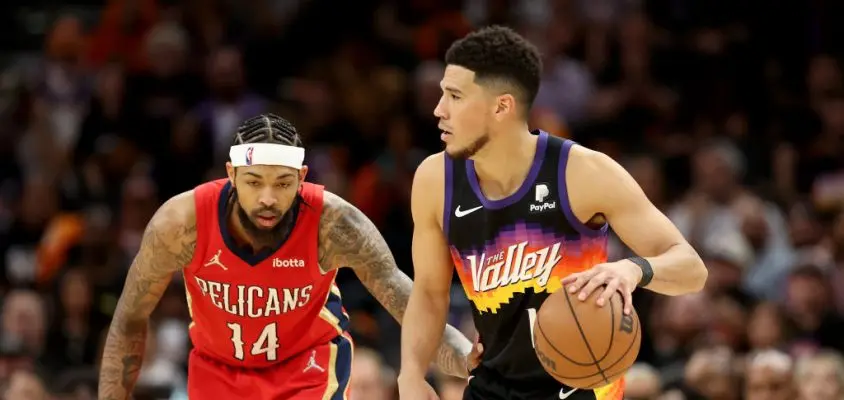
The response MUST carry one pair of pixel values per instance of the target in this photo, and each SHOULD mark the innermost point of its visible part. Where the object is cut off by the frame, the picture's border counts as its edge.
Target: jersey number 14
(267, 342)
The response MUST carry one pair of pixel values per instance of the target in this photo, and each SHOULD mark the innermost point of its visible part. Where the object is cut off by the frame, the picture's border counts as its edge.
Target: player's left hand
(620, 276)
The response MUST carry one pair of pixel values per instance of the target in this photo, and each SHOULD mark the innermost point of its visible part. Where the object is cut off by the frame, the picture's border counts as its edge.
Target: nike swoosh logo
(565, 395)
(461, 214)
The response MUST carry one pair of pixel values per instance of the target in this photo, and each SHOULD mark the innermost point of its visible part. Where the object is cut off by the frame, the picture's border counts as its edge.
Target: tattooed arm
(347, 238)
(167, 246)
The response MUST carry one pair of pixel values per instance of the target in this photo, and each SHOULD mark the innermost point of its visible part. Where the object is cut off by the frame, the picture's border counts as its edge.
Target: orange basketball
(582, 345)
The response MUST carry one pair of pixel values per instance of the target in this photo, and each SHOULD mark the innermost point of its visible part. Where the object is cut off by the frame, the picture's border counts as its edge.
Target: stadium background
(730, 114)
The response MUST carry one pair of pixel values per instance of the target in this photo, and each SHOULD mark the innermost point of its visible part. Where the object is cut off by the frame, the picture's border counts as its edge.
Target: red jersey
(255, 310)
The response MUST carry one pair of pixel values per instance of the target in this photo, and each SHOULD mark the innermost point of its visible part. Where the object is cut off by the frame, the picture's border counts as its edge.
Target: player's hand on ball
(620, 276)
(416, 389)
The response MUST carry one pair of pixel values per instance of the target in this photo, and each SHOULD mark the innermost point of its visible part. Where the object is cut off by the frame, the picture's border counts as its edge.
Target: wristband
(647, 270)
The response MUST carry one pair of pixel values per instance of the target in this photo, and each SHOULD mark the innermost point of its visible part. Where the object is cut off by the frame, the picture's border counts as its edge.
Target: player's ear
(230, 172)
(505, 104)
(303, 173)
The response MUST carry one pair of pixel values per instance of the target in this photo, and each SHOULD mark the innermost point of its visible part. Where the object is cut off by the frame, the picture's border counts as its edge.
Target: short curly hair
(499, 54)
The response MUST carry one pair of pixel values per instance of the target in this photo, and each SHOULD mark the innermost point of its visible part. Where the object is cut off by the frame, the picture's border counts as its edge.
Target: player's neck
(504, 163)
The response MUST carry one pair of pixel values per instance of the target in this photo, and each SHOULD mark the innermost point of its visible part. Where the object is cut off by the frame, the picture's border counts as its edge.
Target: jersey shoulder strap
(207, 203)
(314, 198)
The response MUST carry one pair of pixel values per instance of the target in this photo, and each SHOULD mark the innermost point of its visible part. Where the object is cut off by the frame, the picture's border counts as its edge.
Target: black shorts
(487, 384)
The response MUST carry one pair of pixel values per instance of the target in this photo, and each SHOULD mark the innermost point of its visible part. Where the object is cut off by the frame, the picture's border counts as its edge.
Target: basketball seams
(560, 353)
(620, 358)
(612, 331)
(583, 335)
(586, 317)
(623, 355)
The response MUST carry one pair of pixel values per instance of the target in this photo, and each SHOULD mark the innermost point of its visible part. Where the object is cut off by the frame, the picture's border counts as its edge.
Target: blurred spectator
(24, 319)
(711, 373)
(567, 84)
(121, 33)
(769, 376)
(719, 207)
(25, 386)
(677, 327)
(73, 338)
(372, 380)
(230, 103)
(642, 381)
(809, 307)
(820, 376)
(159, 371)
(62, 90)
(77, 384)
(767, 327)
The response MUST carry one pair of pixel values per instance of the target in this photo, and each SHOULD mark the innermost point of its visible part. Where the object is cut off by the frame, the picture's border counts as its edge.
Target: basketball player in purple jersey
(521, 214)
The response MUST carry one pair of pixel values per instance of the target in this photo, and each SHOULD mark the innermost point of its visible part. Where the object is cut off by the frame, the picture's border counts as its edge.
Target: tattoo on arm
(347, 238)
(167, 246)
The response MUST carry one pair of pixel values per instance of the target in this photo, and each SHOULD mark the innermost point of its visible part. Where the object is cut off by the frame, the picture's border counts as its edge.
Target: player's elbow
(696, 272)
(430, 299)
(123, 324)
(125, 318)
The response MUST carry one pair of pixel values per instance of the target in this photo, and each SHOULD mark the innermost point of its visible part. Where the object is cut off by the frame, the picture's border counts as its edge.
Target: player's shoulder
(335, 208)
(342, 229)
(430, 173)
(332, 202)
(590, 175)
(589, 164)
(177, 214)
(428, 190)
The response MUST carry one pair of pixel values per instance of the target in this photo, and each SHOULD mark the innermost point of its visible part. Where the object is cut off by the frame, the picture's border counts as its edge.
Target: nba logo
(541, 193)
(249, 155)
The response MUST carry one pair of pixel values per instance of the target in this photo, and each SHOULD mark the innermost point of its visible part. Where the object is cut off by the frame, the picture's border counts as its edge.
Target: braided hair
(267, 128)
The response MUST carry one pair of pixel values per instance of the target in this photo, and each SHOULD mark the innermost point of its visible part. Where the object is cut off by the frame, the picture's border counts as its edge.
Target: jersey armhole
(562, 187)
(448, 192)
(310, 213)
(312, 194)
(203, 204)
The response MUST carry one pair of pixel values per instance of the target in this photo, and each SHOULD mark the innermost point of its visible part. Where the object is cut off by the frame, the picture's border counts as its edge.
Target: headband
(243, 155)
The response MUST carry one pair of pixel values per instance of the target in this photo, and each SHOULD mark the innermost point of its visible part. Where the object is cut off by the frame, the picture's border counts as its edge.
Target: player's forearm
(122, 358)
(678, 271)
(454, 348)
(453, 352)
(422, 331)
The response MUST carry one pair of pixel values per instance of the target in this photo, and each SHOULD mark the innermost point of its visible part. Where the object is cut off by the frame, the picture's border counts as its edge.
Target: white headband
(242, 155)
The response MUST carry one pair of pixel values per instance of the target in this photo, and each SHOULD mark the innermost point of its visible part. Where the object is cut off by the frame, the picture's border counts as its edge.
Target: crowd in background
(730, 115)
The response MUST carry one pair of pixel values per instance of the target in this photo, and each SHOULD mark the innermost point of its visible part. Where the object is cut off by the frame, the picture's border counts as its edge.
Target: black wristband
(647, 270)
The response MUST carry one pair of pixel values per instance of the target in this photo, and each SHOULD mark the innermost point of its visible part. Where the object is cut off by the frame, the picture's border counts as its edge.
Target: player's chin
(455, 151)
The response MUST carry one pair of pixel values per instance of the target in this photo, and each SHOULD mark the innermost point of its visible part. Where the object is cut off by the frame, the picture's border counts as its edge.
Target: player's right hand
(416, 389)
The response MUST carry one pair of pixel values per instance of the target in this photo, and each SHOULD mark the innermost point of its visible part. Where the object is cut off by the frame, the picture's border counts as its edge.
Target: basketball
(582, 345)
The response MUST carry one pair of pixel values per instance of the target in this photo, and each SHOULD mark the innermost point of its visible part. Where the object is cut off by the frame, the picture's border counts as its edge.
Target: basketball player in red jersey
(259, 252)
(521, 214)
